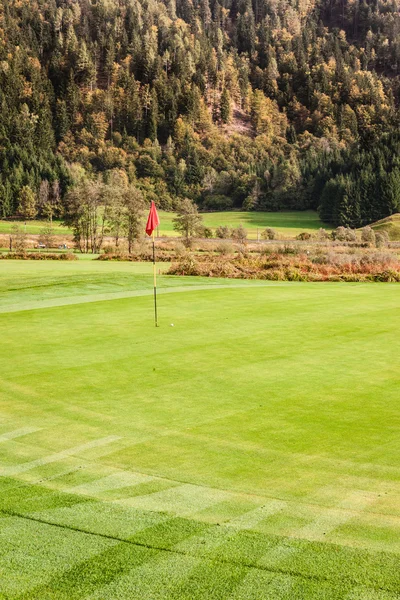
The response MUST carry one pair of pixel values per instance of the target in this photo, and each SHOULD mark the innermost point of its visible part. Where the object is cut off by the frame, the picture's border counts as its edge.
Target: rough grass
(365, 265)
(249, 452)
(391, 225)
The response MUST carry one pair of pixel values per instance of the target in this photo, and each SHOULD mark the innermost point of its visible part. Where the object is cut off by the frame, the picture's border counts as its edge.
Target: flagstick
(155, 281)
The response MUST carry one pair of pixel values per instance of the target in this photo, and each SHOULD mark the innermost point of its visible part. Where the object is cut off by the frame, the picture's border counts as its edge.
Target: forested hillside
(260, 105)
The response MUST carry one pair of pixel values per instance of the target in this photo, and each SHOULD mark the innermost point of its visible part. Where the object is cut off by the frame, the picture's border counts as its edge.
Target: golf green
(249, 451)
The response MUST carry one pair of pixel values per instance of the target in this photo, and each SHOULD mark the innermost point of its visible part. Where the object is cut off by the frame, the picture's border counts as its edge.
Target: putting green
(251, 451)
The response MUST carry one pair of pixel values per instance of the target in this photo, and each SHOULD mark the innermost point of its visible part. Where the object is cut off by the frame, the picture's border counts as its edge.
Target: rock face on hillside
(288, 105)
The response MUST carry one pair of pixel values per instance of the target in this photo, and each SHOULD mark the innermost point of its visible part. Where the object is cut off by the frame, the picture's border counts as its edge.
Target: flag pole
(155, 280)
(152, 222)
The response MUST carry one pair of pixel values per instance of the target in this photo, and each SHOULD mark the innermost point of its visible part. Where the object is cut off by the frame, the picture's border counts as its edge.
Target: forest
(245, 104)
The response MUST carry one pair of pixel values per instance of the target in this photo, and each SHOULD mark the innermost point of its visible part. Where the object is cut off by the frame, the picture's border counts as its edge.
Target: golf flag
(152, 219)
(152, 222)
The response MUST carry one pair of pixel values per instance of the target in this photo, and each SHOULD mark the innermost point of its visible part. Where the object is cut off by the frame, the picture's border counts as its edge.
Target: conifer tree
(27, 203)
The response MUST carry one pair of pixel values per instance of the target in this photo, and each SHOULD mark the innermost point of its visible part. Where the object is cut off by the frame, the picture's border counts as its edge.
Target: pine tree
(225, 106)
(27, 203)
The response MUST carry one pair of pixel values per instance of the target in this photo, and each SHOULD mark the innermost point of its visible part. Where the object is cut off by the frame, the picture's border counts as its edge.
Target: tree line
(246, 104)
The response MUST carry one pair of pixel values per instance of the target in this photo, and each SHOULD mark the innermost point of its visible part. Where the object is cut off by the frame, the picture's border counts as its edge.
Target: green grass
(249, 452)
(391, 225)
(285, 223)
(34, 227)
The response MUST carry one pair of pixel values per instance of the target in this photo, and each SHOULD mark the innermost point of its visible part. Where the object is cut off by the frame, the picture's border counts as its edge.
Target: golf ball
(172, 324)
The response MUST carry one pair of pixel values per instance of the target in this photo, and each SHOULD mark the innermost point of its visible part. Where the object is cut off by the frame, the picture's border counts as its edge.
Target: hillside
(232, 103)
(391, 225)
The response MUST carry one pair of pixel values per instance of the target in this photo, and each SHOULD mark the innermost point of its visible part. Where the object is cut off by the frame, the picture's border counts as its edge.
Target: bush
(322, 234)
(337, 266)
(239, 233)
(38, 256)
(268, 234)
(204, 232)
(368, 235)
(303, 236)
(381, 239)
(109, 249)
(222, 232)
(288, 249)
(179, 249)
(225, 248)
(344, 234)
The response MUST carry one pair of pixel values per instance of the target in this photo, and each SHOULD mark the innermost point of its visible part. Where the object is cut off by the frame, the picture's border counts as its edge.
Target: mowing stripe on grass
(182, 500)
(17, 469)
(66, 301)
(236, 556)
(154, 580)
(363, 593)
(32, 552)
(251, 519)
(318, 528)
(114, 481)
(86, 576)
(358, 500)
(11, 435)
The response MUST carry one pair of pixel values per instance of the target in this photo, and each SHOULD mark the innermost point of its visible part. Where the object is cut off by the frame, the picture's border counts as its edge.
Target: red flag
(152, 219)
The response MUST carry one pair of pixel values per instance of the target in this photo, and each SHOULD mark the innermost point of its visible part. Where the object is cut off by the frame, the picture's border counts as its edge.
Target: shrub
(109, 249)
(368, 235)
(268, 234)
(204, 232)
(179, 249)
(303, 236)
(225, 248)
(322, 234)
(344, 234)
(288, 249)
(381, 239)
(239, 233)
(222, 232)
(38, 256)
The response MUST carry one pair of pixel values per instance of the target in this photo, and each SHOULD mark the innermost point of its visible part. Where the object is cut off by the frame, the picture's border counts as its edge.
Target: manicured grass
(249, 452)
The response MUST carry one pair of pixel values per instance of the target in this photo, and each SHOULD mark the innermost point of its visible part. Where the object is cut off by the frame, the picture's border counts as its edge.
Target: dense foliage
(231, 103)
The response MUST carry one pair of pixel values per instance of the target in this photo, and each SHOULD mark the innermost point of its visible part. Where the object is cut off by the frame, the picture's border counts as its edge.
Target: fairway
(34, 227)
(250, 452)
(287, 224)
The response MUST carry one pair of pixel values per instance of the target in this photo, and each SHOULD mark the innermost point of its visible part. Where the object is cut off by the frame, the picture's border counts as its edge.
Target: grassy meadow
(33, 227)
(285, 223)
(288, 224)
(249, 452)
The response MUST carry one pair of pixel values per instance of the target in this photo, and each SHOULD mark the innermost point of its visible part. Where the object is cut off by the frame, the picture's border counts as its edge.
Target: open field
(250, 452)
(34, 227)
(391, 225)
(286, 223)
